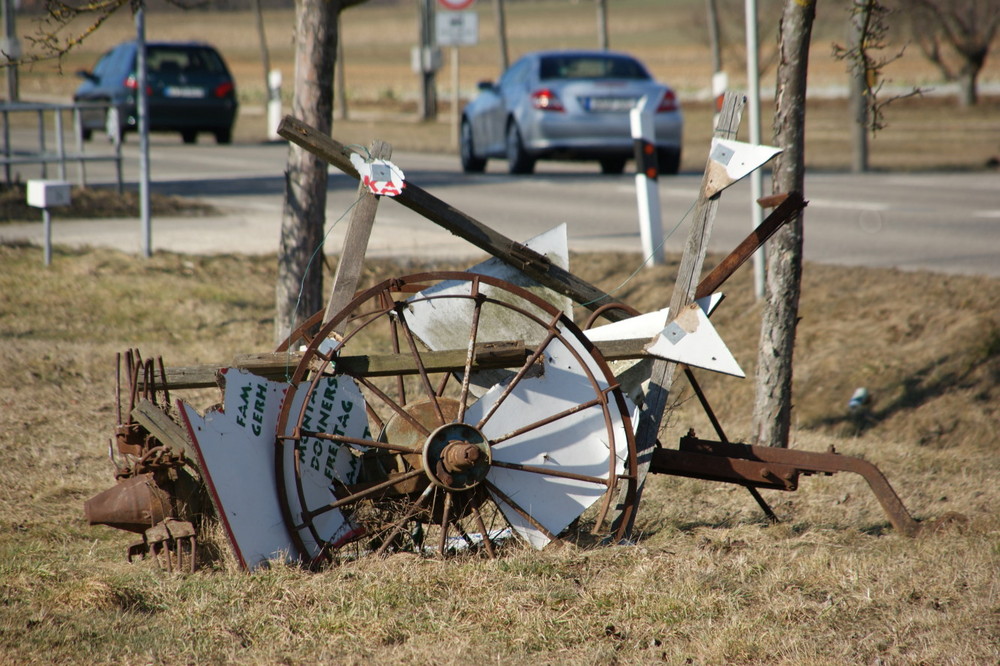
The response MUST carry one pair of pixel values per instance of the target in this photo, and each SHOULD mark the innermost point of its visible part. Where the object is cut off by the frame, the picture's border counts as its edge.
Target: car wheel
(224, 136)
(470, 163)
(517, 158)
(669, 160)
(189, 136)
(613, 165)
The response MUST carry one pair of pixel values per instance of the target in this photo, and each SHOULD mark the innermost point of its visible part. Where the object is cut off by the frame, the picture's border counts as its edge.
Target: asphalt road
(946, 222)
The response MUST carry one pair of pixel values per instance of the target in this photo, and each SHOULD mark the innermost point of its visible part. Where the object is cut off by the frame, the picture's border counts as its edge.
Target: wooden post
(662, 372)
(359, 230)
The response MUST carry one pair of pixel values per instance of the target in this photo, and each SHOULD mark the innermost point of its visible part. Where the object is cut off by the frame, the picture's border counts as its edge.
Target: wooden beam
(352, 253)
(489, 355)
(531, 263)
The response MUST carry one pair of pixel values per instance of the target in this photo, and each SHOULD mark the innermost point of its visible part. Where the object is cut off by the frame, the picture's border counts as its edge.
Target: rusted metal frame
(519, 510)
(777, 462)
(398, 525)
(555, 417)
(359, 495)
(717, 467)
(757, 497)
(792, 204)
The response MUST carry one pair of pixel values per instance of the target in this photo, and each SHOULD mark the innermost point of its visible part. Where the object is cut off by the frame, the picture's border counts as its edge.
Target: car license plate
(609, 104)
(187, 92)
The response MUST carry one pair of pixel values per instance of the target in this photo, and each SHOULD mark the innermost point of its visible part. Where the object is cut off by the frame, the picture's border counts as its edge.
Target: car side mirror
(87, 74)
(486, 85)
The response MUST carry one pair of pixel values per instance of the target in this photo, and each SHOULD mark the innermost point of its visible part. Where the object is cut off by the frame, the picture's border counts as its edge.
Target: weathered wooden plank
(352, 253)
(662, 372)
(489, 355)
(164, 428)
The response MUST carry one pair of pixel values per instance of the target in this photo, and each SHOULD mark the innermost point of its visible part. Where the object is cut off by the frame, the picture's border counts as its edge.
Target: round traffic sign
(456, 5)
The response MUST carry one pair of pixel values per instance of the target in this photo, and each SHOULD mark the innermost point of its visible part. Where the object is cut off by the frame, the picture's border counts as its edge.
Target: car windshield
(590, 67)
(177, 60)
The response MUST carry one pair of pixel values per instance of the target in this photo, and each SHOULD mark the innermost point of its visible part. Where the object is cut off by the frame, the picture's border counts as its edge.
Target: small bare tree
(773, 402)
(956, 36)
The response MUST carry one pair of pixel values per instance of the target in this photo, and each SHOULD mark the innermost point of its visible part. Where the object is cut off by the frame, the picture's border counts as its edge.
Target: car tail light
(131, 83)
(224, 89)
(546, 100)
(668, 102)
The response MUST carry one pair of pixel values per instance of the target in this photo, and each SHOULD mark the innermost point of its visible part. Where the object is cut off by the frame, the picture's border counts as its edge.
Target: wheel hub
(456, 456)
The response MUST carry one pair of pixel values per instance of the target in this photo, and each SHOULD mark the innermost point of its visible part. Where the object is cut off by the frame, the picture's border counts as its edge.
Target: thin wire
(302, 283)
(646, 260)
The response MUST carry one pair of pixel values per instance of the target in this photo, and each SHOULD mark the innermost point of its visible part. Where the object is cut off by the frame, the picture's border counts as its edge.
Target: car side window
(515, 77)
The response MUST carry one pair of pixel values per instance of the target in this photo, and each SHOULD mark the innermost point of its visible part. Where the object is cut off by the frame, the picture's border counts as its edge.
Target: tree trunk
(299, 292)
(858, 87)
(968, 94)
(773, 404)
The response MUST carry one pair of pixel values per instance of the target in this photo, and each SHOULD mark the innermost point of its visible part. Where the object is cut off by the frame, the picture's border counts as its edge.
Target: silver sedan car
(568, 105)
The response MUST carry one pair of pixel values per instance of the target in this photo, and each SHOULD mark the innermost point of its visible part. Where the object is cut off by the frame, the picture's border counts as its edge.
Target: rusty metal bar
(775, 468)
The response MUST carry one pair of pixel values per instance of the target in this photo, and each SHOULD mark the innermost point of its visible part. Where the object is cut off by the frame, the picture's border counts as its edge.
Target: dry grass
(708, 581)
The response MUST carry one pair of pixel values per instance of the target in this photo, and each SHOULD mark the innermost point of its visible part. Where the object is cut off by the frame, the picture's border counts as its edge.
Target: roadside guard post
(46, 194)
(646, 187)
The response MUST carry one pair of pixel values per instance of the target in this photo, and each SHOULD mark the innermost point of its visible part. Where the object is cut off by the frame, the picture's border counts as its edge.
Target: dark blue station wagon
(189, 88)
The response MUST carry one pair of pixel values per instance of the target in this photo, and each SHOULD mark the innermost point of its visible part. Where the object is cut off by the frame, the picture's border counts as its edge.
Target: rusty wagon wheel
(444, 412)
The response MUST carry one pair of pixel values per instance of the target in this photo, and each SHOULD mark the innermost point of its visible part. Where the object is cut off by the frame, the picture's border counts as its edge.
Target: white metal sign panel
(457, 28)
(690, 338)
(576, 444)
(235, 448)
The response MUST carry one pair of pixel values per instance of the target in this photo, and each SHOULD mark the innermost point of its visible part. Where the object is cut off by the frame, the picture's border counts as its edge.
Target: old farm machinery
(445, 412)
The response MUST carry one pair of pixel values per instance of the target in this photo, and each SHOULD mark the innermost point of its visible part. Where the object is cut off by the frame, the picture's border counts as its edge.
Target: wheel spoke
(445, 521)
(470, 355)
(398, 526)
(548, 471)
(393, 405)
(360, 495)
(481, 525)
(553, 332)
(356, 441)
(421, 370)
(388, 304)
(601, 400)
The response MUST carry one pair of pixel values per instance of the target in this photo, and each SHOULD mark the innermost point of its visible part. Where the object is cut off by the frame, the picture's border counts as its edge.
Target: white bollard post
(273, 104)
(647, 189)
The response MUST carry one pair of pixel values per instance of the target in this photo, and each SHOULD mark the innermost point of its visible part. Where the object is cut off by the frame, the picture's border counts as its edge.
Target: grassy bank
(709, 581)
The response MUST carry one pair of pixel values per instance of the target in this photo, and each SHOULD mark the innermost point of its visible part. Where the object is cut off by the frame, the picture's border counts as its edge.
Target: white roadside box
(47, 194)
